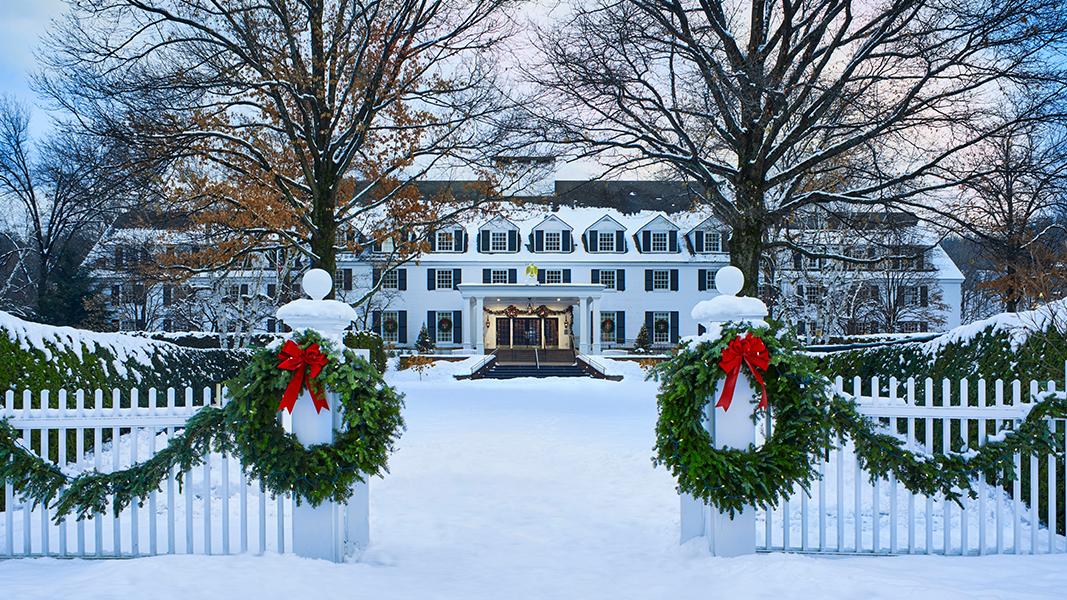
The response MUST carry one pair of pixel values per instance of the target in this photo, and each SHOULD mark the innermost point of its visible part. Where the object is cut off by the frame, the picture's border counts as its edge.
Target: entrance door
(503, 332)
(552, 333)
(527, 332)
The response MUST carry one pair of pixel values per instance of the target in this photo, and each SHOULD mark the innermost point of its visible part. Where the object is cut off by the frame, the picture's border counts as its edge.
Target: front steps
(499, 371)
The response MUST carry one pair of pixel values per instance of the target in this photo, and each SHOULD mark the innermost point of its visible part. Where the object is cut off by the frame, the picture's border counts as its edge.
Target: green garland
(808, 415)
(247, 427)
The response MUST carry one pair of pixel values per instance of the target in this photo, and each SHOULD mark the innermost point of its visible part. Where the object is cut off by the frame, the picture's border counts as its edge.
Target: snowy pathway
(533, 489)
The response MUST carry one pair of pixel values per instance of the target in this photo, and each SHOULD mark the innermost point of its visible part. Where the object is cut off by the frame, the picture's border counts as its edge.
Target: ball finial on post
(317, 284)
(729, 280)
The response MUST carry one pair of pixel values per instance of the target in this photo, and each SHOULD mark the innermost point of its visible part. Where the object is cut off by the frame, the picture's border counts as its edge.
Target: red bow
(749, 350)
(300, 360)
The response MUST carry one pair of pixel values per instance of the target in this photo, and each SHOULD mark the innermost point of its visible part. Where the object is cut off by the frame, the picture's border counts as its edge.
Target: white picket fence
(217, 510)
(845, 513)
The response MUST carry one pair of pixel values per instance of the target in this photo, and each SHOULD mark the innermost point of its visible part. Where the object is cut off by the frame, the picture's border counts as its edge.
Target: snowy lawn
(533, 489)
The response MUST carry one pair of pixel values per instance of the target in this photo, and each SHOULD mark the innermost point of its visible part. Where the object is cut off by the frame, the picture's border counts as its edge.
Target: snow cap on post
(328, 317)
(728, 306)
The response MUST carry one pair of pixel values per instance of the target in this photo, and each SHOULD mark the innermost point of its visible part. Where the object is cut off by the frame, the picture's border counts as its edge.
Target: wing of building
(584, 268)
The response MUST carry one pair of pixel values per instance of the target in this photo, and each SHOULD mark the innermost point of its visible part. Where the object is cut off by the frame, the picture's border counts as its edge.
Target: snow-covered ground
(533, 489)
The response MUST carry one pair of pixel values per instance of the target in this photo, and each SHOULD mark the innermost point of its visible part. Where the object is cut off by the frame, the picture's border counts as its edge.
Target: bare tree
(1012, 186)
(290, 121)
(772, 106)
(63, 189)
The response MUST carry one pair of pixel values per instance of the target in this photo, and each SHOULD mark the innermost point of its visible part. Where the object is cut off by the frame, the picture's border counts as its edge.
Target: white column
(582, 323)
(596, 325)
(467, 310)
(479, 325)
(734, 428)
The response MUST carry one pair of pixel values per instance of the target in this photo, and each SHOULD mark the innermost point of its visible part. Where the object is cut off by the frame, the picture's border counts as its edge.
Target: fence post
(735, 428)
(318, 532)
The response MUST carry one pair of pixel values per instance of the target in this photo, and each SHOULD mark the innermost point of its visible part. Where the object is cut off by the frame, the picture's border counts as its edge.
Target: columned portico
(531, 315)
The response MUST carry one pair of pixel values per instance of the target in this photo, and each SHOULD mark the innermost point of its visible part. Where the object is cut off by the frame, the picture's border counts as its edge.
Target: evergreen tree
(643, 345)
(424, 343)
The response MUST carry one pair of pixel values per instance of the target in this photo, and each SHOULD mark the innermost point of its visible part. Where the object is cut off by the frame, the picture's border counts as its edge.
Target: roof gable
(606, 219)
(659, 220)
(550, 220)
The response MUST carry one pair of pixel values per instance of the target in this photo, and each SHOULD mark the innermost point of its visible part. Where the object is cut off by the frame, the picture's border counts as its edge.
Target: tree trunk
(748, 237)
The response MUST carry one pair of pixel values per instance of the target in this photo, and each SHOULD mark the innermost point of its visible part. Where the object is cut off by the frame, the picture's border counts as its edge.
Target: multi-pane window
(661, 280)
(606, 241)
(499, 276)
(813, 294)
(661, 328)
(912, 326)
(390, 326)
(553, 276)
(911, 296)
(444, 279)
(712, 241)
(444, 327)
(608, 326)
(553, 241)
(390, 280)
(607, 279)
(659, 241)
(445, 241)
(709, 279)
(498, 241)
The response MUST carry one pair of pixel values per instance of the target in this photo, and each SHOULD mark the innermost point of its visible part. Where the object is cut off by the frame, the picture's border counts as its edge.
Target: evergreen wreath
(809, 415)
(247, 427)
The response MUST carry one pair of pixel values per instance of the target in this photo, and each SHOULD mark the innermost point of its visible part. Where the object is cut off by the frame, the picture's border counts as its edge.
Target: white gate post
(318, 532)
(735, 428)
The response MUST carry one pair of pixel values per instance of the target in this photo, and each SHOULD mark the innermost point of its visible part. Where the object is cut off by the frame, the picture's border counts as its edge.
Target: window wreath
(444, 324)
(607, 325)
(390, 325)
(662, 326)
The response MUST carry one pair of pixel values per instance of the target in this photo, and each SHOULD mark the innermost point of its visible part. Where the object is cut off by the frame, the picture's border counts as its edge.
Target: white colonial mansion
(584, 269)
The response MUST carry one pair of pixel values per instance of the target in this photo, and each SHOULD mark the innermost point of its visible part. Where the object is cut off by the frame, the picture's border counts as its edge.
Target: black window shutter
(433, 241)
(402, 327)
(593, 244)
(376, 321)
(459, 242)
(244, 289)
(375, 276)
(674, 327)
(347, 282)
(401, 279)
(648, 280)
(594, 276)
(672, 241)
(457, 278)
(620, 327)
(698, 241)
(457, 327)
(166, 295)
(566, 275)
(540, 276)
(648, 323)
(620, 242)
(702, 279)
(646, 241)
(800, 294)
(674, 280)
(724, 241)
(431, 325)
(566, 243)
(924, 295)
(487, 275)
(513, 241)
(431, 283)
(620, 280)
(483, 241)
(796, 261)
(701, 329)
(539, 241)
(513, 275)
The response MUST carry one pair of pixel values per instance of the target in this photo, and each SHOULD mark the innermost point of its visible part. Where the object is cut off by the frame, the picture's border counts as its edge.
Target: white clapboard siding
(857, 516)
(78, 430)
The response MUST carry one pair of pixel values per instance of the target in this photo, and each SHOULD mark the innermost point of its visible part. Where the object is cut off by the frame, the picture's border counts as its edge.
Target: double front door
(527, 332)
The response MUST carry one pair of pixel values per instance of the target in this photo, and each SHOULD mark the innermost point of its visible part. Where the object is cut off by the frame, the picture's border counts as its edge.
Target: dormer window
(553, 241)
(712, 241)
(445, 241)
(606, 241)
(659, 241)
(498, 241)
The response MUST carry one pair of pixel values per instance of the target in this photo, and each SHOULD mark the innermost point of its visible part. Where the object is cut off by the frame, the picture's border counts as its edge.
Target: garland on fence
(247, 427)
(809, 414)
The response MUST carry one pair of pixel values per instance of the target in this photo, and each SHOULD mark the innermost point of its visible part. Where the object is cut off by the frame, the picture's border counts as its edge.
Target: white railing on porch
(845, 513)
(217, 510)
